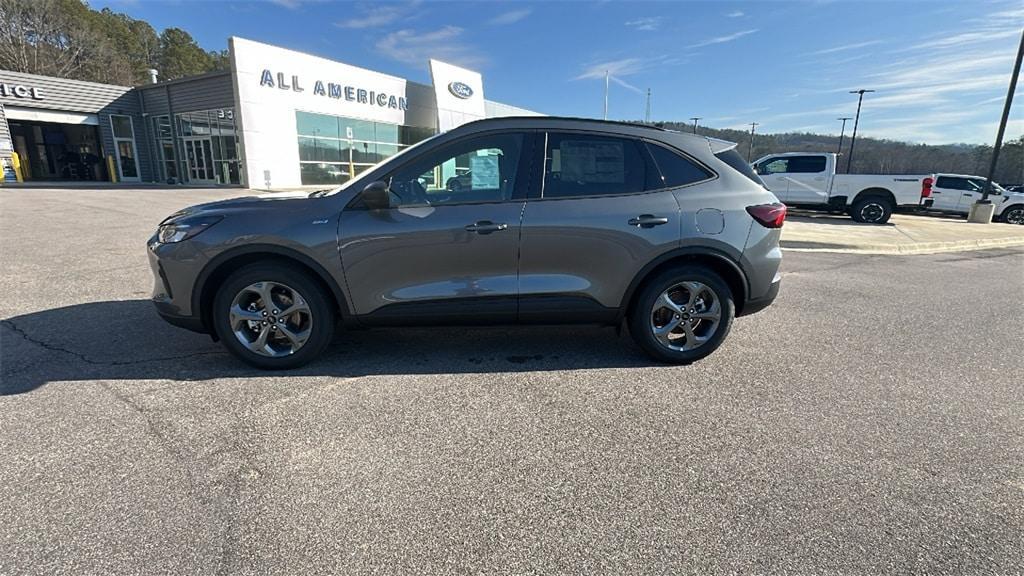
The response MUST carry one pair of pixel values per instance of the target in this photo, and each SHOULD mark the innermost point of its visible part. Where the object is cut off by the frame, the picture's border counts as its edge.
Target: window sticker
(483, 172)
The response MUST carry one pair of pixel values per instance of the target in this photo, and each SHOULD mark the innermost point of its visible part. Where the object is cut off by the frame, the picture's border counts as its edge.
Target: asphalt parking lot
(871, 421)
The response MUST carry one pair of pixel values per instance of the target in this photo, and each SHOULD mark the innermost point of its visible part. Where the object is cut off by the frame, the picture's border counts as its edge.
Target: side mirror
(376, 195)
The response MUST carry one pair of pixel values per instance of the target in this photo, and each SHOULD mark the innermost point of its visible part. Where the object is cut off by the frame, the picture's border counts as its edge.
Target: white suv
(954, 194)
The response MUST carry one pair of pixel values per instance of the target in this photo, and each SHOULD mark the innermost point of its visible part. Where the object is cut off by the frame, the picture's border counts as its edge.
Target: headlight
(185, 228)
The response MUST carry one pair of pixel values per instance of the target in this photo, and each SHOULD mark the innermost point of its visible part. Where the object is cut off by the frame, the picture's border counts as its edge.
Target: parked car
(457, 183)
(568, 221)
(809, 180)
(1017, 188)
(955, 193)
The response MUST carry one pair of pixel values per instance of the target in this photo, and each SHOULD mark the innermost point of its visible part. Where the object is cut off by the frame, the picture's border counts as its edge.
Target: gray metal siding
(5, 131)
(189, 95)
(61, 93)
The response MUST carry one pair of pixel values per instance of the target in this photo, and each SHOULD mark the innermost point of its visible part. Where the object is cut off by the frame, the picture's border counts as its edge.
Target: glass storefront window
(318, 125)
(332, 148)
(207, 143)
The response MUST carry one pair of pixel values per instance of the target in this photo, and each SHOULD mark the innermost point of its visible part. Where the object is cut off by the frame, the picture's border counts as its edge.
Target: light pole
(647, 110)
(853, 139)
(751, 148)
(1002, 122)
(695, 119)
(605, 94)
(841, 132)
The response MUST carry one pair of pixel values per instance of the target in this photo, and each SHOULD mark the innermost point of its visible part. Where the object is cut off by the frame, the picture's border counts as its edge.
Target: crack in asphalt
(54, 348)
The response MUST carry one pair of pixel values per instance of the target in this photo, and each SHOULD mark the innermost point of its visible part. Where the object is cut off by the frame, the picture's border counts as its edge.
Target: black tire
(872, 210)
(642, 318)
(321, 314)
(1013, 215)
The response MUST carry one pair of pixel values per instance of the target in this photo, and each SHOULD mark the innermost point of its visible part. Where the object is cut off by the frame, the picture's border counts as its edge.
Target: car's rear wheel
(273, 316)
(682, 315)
(872, 210)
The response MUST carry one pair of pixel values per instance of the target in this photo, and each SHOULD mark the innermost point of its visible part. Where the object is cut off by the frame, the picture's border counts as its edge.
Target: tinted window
(806, 164)
(585, 165)
(737, 163)
(481, 169)
(773, 166)
(952, 183)
(675, 170)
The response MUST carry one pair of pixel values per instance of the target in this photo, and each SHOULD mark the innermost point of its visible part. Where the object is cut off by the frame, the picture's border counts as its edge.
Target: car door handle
(486, 227)
(647, 221)
(967, 194)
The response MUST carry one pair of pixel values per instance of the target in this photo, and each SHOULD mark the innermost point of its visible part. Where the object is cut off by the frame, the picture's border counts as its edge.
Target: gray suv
(555, 221)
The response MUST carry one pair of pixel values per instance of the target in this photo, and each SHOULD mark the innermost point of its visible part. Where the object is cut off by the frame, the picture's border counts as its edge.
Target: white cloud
(510, 17)
(413, 47)
(723, 39)
(735, 14)
(375, 17)
(619, 69)
(847, 47)
(645, 23)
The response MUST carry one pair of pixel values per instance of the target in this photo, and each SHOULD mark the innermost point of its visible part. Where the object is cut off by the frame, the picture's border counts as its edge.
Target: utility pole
(841, 132)
(750, 150)
(605, 94)
(695, 119)
(647, 113)
(856, 121)
(1002, 123)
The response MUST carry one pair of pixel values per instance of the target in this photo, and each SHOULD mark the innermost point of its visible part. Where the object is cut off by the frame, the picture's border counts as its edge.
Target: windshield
(399, 155)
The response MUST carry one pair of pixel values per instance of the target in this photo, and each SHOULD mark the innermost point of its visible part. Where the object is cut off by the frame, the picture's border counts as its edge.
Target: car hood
(275, 201)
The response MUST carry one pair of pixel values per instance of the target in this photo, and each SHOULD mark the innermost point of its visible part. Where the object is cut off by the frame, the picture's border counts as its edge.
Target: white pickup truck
(955, 193)
(809, 180)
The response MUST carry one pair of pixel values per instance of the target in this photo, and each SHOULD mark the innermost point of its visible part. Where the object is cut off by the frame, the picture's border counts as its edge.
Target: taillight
(926, 187)
(768, 215)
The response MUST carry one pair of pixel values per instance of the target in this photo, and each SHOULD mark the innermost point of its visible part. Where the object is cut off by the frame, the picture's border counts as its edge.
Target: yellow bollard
(111, 168)
(16, 163)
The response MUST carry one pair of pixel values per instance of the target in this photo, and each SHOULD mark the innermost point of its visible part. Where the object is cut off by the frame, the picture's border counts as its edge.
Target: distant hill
(881, 156)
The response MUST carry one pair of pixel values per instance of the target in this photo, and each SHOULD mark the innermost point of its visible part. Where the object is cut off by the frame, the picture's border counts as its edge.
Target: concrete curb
(908, 249)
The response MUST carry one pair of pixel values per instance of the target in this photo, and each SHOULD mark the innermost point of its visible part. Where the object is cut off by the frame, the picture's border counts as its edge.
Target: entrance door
(199, 155)
(441, 252)
(124, 146)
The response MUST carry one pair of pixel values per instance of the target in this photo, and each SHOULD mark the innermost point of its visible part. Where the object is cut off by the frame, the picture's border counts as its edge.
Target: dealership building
(277, 119)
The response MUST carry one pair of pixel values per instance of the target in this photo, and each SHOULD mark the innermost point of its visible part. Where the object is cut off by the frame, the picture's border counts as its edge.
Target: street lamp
(853, 139)
(841, 132)
(695, 119)
(751, 148)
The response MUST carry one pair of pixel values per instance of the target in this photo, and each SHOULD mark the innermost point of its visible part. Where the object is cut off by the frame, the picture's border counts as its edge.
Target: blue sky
(941, 69)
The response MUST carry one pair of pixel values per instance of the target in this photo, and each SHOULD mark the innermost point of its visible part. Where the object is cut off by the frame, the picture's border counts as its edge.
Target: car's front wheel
(273, 316)
(682, 315)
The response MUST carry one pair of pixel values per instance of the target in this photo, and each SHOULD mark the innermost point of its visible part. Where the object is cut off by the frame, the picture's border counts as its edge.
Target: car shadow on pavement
(126, 340)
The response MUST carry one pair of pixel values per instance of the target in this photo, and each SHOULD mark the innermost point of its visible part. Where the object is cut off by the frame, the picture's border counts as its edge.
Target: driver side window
(480, 169)
(773, 166)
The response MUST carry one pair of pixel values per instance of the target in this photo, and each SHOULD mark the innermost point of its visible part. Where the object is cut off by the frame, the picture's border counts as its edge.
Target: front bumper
(755, 305)
(172, 266)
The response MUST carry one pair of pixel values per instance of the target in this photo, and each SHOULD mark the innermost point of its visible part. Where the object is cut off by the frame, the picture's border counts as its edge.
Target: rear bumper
(754, 305)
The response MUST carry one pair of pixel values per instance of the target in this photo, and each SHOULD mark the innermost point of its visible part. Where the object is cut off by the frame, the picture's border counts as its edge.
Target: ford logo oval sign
(460, 90)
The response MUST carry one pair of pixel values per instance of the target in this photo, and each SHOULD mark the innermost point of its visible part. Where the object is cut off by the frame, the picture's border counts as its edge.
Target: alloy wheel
(270, 319)
(872, 212)
(686, 316)
(1014, 216)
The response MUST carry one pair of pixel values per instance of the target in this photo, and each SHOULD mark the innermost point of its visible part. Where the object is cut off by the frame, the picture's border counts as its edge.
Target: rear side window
(588, 165)
(953, 183)
(675, 169)
(737, 163)
(806, 164)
